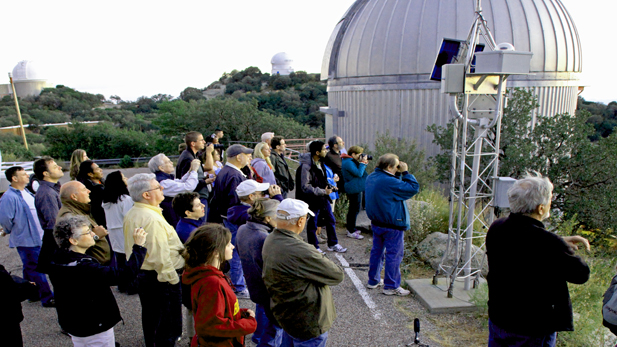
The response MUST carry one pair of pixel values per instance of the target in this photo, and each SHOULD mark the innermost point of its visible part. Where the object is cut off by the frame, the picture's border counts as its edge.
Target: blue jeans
(390, 240)
(161, 310)
(30, 258)
(290, 341)
(267, 333)
(498, 337)
(326, 212)
(236, 274)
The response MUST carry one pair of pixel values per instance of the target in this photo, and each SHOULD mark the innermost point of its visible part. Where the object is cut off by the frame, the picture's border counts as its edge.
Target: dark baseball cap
(234, 150)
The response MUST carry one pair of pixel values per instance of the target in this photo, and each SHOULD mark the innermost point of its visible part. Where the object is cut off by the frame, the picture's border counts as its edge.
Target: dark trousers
(123, 287)
(355, 201)
(30, 258)
(161, 310)
(498, 337)
(324, 211)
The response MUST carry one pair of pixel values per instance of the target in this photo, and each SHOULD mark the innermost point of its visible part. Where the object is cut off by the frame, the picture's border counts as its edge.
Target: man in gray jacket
(298, 278)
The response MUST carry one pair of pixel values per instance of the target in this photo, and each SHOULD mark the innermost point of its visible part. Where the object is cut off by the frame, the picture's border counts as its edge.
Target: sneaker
(373, 286)
(243, 294)
(320, 251)
(398, 291)
(337, 248)
(355, 235)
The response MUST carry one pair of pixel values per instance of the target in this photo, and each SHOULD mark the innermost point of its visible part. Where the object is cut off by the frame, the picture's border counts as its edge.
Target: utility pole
(21, 123)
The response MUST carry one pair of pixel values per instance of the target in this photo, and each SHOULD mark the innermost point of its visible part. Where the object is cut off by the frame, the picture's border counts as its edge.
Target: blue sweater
(354, 174)
(224, 193)
(250, 241)
(385, 198)
(185, 227)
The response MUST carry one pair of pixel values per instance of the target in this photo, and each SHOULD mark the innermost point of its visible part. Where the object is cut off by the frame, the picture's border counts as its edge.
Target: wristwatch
(95, 237)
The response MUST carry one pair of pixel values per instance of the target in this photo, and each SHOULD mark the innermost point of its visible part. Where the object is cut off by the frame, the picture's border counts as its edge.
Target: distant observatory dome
(27, 70)
(380, 56)
(282, 64)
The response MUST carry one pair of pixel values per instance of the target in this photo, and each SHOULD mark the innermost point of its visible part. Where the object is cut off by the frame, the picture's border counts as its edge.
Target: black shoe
(63, 332)
(50, 303)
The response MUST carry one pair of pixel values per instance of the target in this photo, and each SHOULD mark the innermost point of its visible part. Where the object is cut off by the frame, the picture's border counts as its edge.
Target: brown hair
(355, 150)
(76, 159)
(204, 243)
(191, 136)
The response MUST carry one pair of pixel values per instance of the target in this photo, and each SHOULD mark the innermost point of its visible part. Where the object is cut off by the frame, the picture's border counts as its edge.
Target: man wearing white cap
(298, 278)
(248, 192)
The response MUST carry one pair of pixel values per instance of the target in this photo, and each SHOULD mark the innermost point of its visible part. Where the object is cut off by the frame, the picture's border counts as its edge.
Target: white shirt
(30, 201)
(188, 183)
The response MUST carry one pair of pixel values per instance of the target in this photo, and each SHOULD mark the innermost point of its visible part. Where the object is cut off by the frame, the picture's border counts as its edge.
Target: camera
(368, 157)
(332, 187)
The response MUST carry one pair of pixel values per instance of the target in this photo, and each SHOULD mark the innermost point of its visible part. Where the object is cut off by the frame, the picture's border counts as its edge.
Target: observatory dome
(27, 70)
(381, 53)
(282, 64)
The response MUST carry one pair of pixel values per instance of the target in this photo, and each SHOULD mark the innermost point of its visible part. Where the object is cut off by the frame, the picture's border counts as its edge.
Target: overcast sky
(135, 48)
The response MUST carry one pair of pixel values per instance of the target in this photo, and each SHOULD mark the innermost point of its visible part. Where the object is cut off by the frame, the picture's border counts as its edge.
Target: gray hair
(155, 162)
(66, 227)
(139, 184)
(529, 192)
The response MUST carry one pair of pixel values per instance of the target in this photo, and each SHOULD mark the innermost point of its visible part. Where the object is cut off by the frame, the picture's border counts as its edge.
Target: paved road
(364, 317)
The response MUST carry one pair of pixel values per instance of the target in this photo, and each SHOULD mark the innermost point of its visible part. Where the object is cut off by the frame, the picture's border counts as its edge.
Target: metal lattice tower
(475, 159)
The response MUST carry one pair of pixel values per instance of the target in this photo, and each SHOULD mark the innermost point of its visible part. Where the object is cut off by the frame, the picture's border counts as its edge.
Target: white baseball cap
(295, 209)
(251, 186)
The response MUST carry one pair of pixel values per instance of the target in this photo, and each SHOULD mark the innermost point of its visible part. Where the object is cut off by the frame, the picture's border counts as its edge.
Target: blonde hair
(76, 159)
(257, 153)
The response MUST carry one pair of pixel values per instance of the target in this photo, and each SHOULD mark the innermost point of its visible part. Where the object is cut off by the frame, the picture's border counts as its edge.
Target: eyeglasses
(157, 188)
(89, 232)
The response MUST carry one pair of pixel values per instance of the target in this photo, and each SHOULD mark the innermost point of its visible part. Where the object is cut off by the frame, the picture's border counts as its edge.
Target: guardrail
(27, 165)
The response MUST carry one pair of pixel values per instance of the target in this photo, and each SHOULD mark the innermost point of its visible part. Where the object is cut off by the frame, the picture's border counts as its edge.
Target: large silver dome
(381, 53)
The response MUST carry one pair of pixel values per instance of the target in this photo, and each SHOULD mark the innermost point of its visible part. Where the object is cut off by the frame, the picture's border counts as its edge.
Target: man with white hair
(163, 168)
(159, 284)
(298, 278)
(267, 137)
(529, 268)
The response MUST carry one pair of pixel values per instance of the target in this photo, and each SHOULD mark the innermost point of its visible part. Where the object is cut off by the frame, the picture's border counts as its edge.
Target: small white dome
(282, 58)
(27, 70)
(282, 64)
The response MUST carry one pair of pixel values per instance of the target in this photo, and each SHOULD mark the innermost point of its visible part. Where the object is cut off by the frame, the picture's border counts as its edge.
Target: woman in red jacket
(219, 321)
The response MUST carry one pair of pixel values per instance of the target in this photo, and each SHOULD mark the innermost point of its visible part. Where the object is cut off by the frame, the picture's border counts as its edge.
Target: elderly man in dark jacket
(280, 167)
(519, 247)
(298, 279)
(313, 188)
(86, 307)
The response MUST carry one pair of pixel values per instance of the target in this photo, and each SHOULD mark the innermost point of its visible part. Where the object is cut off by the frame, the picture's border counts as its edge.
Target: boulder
(433, 247)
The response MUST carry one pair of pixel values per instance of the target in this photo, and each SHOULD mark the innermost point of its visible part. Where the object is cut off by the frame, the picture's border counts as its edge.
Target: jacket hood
(255, 160)
(238, 214)
(259, 226)
(346, 156)
(305, 158)
(194, 274)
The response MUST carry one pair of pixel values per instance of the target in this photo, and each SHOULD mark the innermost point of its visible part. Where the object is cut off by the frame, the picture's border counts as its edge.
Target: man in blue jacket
(19, 219)
(387, 189)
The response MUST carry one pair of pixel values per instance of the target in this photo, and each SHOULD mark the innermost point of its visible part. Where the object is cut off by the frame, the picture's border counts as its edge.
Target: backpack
(609, 307)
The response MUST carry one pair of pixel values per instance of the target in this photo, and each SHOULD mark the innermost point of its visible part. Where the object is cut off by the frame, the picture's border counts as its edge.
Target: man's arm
(318, 268)
(186, 184)
(7, 213)
(571, 267)
(406, 187)
(159, 254)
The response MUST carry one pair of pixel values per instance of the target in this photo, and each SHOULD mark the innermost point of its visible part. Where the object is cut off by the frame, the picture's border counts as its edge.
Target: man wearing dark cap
(224, 192)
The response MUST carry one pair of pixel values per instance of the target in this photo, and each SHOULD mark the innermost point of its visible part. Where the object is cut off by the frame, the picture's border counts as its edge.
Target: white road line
(363, 293)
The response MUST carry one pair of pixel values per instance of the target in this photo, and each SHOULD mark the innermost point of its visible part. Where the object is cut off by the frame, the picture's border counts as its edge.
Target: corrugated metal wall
(407, 113)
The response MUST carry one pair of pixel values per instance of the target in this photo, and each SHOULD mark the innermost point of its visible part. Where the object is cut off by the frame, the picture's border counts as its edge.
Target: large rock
(432, 249)
(362, 222)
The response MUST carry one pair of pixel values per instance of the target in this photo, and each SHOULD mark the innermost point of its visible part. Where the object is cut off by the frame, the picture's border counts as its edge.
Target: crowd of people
(204, 234)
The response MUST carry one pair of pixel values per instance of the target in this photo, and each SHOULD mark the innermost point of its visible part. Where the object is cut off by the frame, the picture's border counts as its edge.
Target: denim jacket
(15, 216)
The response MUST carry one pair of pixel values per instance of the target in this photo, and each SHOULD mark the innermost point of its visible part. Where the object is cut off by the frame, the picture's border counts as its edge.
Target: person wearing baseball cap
(297, 275)
(224, 191)
(248, 192)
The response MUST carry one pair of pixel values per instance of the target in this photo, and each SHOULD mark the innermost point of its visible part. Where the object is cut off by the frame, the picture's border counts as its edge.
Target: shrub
(126, 162)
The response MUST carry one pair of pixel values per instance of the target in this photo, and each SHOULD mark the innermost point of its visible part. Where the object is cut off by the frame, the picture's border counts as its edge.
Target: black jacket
(529, 268)
(335, 162)
(281, 172)
(84, 301)
(312, 182)
(14, 291)
(96, 200)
